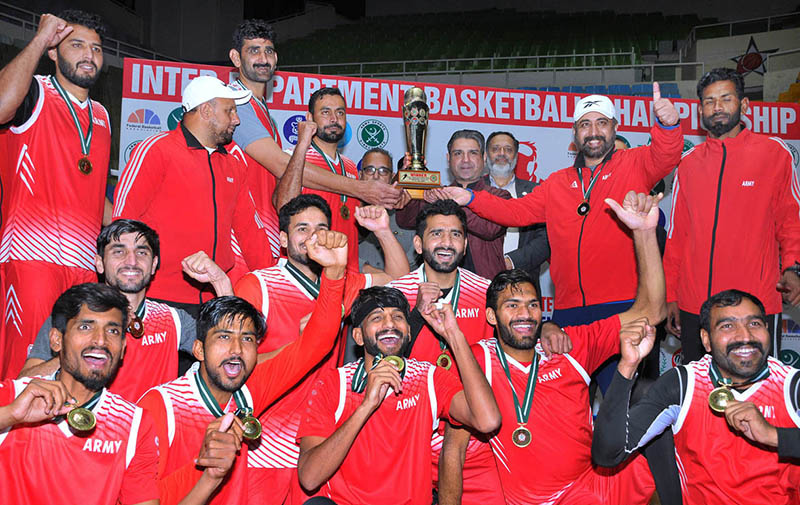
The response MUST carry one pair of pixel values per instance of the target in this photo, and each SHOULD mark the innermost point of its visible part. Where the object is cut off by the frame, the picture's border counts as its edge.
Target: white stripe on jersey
(130, 450)
(432, 396)
(676, 188)
(342, 394)
(177, 320)
(37, 109)
(129, 176)
(795, 185)
(170, 410)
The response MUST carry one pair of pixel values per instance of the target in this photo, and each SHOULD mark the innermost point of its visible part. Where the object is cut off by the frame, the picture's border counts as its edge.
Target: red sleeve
(7, 394)
(787, 210)
(249, 288)
(139, 481)
(253, 241)
(140, 181)
(275, 376)
(446, 385)
(174, 487)
(354, 284)
(663, 154)
(593, 344)
(319, 419)
(676, 237)
(529, 209)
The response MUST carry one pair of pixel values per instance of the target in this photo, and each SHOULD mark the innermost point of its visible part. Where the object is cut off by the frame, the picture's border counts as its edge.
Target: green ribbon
(360, 377)
(262, 103)
(331, 166)
(211, 402)
(453, 295)
(523, 410)
(718, 380)
(86, 140)
(311, 286)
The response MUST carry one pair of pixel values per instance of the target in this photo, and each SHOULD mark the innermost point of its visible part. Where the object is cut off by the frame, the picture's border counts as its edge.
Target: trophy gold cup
(417, 178)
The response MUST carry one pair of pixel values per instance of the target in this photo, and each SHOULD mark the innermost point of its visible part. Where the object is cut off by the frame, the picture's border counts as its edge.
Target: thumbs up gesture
(666, 113)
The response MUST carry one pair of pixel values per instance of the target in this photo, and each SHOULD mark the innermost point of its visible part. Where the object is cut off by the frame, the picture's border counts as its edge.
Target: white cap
(206, 87)
(594, 103)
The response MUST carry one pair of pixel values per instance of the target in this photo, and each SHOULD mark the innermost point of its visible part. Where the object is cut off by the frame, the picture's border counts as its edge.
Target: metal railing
(741, 27)
(777, 55)
(309, 8)
(29, 22)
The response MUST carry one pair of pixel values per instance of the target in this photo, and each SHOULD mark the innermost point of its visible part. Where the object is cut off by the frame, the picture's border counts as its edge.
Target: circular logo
(677, 359)
(174, 118)
(789, 357)
(128, 150)
(795, 154)
(687, 144)
(372, 133)
(143, 120)
(290, 128)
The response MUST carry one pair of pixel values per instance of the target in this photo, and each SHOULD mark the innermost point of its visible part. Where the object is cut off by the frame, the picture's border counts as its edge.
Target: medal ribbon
(86, 140)
(524, 410)
(309, 285)
(262, 104)
(331, 166)
(89, 405)
(140, 310)
(211, 402)
(718, 380)
(360, 377)
(588, 191)
(451, 298)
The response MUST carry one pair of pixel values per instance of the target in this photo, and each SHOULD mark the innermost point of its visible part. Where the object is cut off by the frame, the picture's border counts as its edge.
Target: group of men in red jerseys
(457, 371)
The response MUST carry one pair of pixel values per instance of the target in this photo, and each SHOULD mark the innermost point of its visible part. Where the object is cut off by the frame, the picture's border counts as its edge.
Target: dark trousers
(692, 347)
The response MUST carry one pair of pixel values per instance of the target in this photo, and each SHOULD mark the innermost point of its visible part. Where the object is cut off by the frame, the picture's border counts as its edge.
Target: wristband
(472, 197)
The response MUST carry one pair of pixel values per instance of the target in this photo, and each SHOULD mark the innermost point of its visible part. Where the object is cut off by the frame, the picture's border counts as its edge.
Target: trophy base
(417, 181)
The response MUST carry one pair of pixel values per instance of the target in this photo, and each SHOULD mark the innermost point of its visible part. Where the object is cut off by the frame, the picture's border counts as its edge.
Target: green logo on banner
(174, 118)
(790, 357)
(372, 133)
(687, 144)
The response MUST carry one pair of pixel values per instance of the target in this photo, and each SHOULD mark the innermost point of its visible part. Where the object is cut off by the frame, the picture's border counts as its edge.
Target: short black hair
(727, 298)
(508, 134)
(721, 74)
(122, 226)
(467, 134)
(320, 93)
(377, 297)
(379, 150)
(97, 297)
(85, 19)
(252, 29)
(505, 279)
(439, 208)
(297, 205)
(231, 308)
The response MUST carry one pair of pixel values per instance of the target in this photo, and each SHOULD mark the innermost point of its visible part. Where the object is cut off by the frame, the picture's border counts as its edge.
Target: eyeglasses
(382, 171)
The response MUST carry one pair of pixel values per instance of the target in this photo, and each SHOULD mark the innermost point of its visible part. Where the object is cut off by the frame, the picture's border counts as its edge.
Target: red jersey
(346, 166)
(753, 474)
(560, 420)
(49, 463)
(51, 211)
(470, 310)
(402, 425)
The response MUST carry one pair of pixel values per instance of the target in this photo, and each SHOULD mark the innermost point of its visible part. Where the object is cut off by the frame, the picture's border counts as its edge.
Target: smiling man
(735, 336)
(45, 457)
(53, 190)
(189, 412)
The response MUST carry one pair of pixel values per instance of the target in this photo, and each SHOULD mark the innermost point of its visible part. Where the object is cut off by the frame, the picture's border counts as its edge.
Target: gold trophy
(417, 178)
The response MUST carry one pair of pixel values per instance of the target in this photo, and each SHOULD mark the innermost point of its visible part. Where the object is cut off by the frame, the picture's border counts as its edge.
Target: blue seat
(574, 89)
(642, 89)
(550, 88)
(619, 89)
(597, 89)
(670, 90)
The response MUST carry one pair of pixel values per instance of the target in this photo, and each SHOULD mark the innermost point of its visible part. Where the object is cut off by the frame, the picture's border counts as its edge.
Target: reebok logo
(229, 179)
(407, 403)
(748, 184)
(606, 176)
(574, 184)
(102, 446)
(590, 103)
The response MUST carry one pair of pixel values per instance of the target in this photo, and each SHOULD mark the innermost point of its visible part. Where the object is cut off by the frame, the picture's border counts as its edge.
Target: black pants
(692, 347)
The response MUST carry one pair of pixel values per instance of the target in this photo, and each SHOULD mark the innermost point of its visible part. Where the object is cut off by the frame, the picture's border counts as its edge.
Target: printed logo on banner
(129, 150)
(143, 120)
(624, 141)
(175, 116)
(526, 161)
(290, 128)
(372, 133)
(687, 144)
(790, 342)
(572, 150)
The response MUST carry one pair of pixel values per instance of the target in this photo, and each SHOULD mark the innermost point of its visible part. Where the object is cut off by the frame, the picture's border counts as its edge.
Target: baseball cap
(206, 87)
(594, 103)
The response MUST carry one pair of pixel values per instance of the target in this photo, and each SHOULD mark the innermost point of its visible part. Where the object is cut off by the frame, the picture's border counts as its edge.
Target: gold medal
(85, 166)
(444, 361)
(719, 398)
(344, 211)
(521, 437)
(396, 362)
(136, 327)
(251, 428)
(584, 208)
(81, 419)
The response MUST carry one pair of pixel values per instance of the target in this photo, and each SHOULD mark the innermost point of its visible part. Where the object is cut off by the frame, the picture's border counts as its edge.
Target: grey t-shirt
(250, 127)
(41, 346)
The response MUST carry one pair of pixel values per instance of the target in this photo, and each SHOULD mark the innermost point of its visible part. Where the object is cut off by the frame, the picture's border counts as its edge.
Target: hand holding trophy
(417, 178)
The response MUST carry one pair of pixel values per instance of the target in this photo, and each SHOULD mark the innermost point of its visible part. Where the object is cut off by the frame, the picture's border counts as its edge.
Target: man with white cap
(190, 185)
(593, 265)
